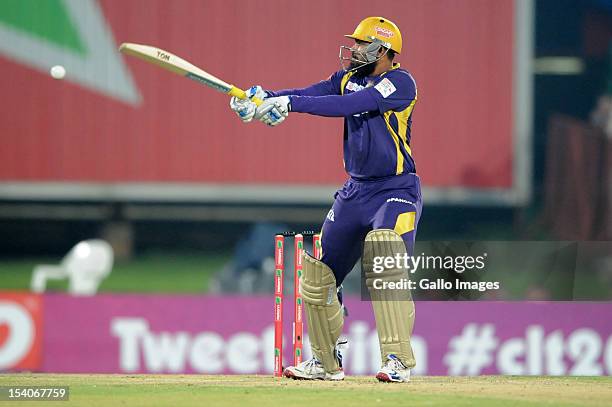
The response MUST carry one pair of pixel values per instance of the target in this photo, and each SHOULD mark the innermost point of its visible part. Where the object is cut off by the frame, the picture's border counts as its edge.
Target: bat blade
(179, 66)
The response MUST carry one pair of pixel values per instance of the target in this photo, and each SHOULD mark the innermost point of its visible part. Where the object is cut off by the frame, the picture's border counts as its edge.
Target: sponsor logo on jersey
(331, 215)
(400, 200)
(385, 88)
(353, 86)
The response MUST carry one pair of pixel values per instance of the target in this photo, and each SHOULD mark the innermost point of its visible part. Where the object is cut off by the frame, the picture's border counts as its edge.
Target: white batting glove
(244, 108)
(274, 111)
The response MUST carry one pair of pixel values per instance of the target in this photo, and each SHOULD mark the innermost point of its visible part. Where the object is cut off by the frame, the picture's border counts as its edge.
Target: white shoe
(393, 371)
(311, 370)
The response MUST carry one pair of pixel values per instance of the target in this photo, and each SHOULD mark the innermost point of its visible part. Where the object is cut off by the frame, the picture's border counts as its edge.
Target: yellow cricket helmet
(380, 28)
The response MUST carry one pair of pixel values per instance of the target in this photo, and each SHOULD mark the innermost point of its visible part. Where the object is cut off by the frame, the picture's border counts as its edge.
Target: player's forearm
(318, 89)
(334, 105)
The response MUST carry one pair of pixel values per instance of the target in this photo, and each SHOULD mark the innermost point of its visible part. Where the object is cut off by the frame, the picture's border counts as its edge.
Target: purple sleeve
(318, 89)
(330, 86)
(395, 91)
(335, 105)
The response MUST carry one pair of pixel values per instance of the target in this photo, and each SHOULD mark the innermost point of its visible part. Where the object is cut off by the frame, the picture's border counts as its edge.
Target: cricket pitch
(201, 390)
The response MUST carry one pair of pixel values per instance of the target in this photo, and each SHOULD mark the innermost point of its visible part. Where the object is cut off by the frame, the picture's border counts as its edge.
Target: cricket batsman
(379, 204)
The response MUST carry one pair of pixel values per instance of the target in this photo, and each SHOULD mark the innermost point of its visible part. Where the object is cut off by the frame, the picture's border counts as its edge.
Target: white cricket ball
(58, 72)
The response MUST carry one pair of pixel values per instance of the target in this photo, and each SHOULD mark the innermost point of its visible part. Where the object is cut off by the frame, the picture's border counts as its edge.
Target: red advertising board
(114, 120)
(21, 319)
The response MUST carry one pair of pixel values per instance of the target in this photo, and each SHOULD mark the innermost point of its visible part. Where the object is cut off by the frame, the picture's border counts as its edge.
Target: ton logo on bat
(162, 55)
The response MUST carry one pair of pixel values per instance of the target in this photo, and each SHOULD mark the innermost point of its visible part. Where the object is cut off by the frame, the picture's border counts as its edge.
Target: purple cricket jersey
(377, 113)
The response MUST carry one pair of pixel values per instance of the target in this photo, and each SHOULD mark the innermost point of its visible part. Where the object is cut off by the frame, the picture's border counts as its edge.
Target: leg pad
(393, 309)
(325, 315)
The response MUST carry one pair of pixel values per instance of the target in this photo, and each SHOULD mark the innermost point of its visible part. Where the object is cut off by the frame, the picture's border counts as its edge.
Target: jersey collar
(395, 65)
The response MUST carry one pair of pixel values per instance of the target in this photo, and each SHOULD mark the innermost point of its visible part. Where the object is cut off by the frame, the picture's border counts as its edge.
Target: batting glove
(274, 111)
(245, 108)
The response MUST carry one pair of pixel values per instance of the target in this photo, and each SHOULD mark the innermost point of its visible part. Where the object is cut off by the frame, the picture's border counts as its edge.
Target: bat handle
(257, 101)
(239, 93)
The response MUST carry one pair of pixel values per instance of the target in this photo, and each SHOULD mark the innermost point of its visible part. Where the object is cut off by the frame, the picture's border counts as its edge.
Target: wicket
(298, 323)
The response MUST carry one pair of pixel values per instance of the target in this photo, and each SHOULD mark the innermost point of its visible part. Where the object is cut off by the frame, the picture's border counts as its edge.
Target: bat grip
(239, 93)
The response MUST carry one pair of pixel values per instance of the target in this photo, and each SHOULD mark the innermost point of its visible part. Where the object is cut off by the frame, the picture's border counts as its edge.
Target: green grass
(150, 273)
(198, 390)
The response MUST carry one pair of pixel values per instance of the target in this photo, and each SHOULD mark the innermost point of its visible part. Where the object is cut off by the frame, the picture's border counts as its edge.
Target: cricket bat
(179, 66)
